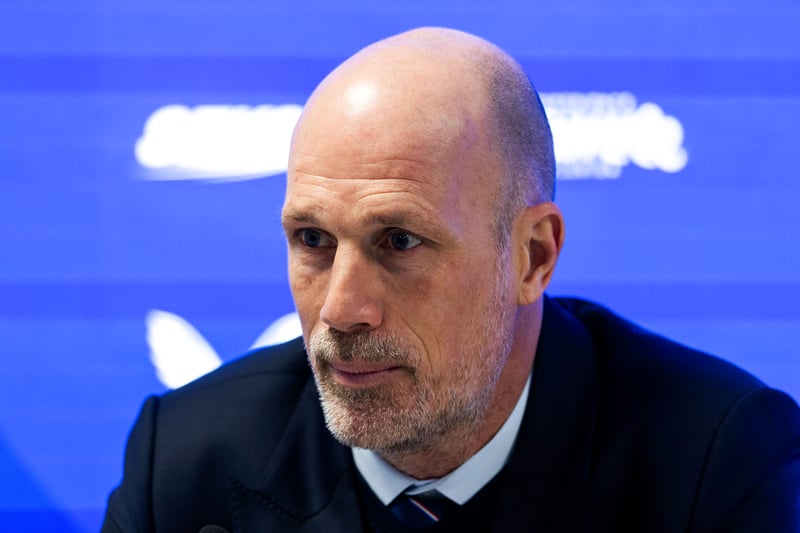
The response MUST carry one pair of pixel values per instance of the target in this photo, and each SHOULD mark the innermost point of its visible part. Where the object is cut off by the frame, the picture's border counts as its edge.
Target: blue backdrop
(142, 147)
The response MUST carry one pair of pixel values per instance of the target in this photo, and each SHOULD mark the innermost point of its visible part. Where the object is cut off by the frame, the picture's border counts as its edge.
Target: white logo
(596, 135)
(217, 141)
(180, 354)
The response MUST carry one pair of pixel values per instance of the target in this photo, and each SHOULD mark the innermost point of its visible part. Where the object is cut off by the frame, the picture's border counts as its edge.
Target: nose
(351, 301)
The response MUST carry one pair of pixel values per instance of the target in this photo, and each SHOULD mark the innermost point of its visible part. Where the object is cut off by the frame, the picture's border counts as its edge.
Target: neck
(440, 458)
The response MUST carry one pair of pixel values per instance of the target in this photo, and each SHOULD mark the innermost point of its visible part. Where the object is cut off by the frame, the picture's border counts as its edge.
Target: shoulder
(283, 368)
(648, 386)
(692, 437)
(263, 383)
(624, 350)
(188, 444)
(246, 403)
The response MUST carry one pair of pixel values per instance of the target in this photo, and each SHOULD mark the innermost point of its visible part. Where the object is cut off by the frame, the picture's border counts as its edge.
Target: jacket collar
(308, 485)
(547, 476)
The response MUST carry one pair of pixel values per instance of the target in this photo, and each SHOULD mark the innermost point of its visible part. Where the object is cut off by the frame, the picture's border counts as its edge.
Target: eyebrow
(399, 218)
(299, 217)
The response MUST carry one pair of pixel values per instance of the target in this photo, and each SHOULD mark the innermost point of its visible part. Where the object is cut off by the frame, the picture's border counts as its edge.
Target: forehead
(350, 196)
(433, 164)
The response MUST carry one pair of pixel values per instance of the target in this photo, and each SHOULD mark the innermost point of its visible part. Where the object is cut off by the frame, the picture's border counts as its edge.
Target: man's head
(420, 240)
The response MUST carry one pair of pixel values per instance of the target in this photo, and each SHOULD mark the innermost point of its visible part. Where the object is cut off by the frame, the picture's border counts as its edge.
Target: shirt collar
(459, 485)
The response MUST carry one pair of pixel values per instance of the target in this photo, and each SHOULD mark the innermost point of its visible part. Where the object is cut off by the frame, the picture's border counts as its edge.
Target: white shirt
(459, 485)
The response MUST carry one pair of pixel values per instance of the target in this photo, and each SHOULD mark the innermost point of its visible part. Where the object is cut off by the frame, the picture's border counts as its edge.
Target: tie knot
(419, 511)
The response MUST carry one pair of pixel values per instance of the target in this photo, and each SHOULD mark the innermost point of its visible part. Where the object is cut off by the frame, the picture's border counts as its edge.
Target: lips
(358, 374)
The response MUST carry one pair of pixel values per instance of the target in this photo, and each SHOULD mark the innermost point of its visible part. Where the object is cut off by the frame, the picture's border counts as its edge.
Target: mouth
(358, 375)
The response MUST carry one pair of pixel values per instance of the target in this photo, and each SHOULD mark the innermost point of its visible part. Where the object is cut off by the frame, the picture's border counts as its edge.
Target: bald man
(435, 386)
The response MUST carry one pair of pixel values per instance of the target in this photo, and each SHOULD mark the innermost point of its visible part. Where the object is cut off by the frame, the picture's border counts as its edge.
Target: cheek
(308, 294)
(440, 312)
(303, 279)
(462, 288)
(468, 296)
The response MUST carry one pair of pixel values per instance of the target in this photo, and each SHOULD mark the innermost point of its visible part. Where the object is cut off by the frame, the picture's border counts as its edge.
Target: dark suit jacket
(623, 431)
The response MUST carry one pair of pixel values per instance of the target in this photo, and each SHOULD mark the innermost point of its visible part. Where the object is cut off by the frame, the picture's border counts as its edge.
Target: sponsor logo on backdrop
(596, 136)
(217, 142)
(181, 354)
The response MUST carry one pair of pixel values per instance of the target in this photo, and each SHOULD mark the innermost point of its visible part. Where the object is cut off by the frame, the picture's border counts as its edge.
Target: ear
(538, 238)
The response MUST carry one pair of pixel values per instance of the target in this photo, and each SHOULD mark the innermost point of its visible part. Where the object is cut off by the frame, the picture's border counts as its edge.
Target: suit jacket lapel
(546, 480)
(309, 484)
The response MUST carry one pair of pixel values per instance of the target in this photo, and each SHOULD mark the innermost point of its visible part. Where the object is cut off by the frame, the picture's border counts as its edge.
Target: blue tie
(416, 512)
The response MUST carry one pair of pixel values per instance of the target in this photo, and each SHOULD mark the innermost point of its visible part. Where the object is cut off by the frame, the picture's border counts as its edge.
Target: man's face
(394, 266)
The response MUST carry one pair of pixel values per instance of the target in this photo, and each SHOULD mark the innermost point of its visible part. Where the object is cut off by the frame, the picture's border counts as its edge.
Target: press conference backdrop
(142, 157)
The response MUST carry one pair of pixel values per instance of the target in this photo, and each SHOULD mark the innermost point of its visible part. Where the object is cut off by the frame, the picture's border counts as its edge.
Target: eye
(314, 238)
(402, 240)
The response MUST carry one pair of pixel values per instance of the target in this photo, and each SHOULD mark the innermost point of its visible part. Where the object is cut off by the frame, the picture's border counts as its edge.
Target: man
(421, 236)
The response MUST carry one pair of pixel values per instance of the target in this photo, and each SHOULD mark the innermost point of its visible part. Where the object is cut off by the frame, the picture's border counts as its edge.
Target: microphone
(213, 529)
